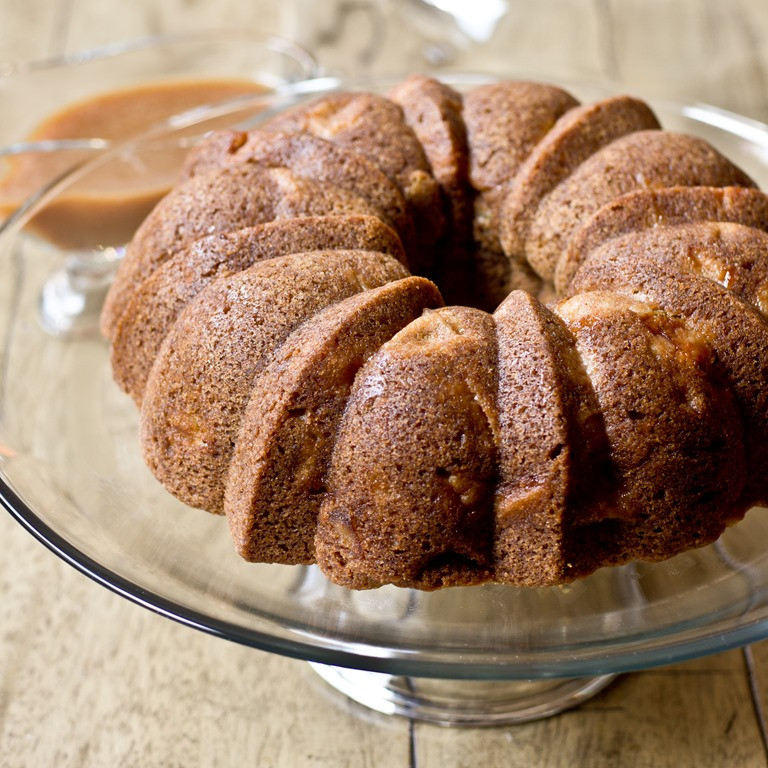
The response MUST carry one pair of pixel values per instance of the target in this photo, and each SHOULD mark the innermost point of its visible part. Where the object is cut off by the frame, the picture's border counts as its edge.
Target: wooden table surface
(89, 679)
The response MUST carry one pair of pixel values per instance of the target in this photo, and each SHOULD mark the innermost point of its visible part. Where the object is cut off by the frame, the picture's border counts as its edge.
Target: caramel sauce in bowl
(106, 207)
(107, 98)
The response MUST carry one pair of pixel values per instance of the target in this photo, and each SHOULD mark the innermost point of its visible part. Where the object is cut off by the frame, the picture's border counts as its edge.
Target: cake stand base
(461, 702)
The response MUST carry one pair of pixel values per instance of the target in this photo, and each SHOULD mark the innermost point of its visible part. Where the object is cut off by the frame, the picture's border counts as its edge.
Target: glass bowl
(61, 112)
(71, 473)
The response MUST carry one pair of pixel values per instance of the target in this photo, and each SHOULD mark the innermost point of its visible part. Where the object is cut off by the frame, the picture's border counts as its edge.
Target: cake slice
(684, 270)
(308, 157)
(410, 489)
(158, 301)
(552, 455)
(675, 437)
(375, 127)
(578, 134)
(434, 112)
(649, 208)
(276, 479)
(640, 160)
(203, 375)
(504, 121)
(226, 199)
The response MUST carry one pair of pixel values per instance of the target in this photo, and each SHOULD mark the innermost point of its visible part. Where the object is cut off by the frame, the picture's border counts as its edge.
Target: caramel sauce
(105, 207)
(509, 509)
(761, 299)
(709, 266)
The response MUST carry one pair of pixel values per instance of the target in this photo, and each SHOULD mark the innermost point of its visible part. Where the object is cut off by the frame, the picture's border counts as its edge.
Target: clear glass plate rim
(610, 659)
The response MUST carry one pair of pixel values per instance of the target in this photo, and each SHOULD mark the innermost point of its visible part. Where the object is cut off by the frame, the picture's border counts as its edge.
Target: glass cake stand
(72, 474)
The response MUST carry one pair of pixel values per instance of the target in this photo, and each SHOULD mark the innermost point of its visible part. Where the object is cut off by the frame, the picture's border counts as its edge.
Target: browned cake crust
(577, 135)
(416, 512)
(365, 123)
(550, 439)
(648, 208)
(375, 127)
(504, 123)
(244, 195)
(308, 157)
(675, 436)
(680, 269)
(160, 298)
(640, 160)
(218, 148)
(277, 476)
(434, 112)
(731, 255)
(189, 417)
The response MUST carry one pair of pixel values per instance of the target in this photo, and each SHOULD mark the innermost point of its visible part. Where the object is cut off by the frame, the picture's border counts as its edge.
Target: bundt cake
(594, 390)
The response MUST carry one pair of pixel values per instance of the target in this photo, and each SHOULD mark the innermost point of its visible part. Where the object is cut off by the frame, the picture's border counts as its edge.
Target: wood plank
(689, 50)
(31, 29)
(89, 679)
(97, 23)
(756, 656)
(697, 713)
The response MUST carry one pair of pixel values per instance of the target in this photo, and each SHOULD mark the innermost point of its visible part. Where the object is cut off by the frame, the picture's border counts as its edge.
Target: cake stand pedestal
(461, 702)
(72, 296)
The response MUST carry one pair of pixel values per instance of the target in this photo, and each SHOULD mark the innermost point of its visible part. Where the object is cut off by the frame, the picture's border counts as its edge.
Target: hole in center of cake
(481, 276)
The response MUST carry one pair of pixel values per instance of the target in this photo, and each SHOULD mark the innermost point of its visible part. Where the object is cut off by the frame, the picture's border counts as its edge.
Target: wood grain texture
(697, 713)
(89, 679)
(31, 30)
(692, 51)
(94, 23)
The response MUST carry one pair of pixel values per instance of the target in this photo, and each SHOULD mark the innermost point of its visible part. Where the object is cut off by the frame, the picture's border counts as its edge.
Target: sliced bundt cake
(158, 300)
(293, 374)
(202, 378)
(278, 472)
